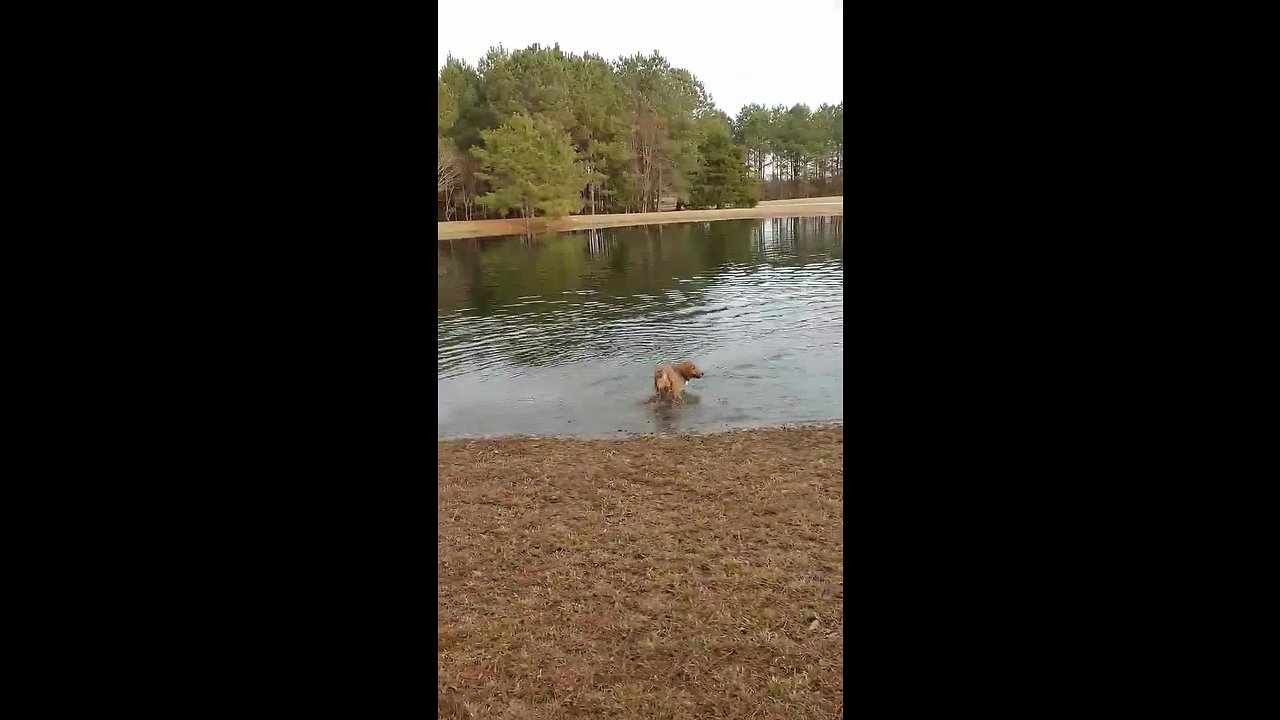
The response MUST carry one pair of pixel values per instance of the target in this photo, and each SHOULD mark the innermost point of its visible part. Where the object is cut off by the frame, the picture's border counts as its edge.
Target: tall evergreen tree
(530, 165)
(721, 178)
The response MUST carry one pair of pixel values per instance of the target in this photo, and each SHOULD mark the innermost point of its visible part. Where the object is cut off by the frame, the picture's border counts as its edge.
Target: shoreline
(624, 437)
(798, 207)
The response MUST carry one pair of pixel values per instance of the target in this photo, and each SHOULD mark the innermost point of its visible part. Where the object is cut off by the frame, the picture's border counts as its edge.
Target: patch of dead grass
(657, 577)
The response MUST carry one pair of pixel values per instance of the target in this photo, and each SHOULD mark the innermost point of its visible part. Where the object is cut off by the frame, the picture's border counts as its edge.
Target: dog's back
(670, 379)
(664, 377)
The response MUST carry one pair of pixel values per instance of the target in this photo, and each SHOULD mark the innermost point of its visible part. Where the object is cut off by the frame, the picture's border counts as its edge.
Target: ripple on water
(559, 337)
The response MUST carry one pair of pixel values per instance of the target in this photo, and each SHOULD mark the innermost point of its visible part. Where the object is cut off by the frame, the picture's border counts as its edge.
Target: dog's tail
(661, 382)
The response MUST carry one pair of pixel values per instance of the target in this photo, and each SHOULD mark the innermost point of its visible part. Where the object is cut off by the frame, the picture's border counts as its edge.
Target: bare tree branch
(447, 171)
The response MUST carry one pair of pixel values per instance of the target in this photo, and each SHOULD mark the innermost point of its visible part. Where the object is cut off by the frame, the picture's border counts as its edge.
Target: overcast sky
(774, 53)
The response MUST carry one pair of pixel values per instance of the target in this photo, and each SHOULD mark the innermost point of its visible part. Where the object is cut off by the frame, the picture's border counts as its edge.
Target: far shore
(799, 207)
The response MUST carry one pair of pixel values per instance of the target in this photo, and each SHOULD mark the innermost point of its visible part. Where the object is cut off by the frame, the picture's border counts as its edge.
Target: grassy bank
(802, 207)
(679, 577)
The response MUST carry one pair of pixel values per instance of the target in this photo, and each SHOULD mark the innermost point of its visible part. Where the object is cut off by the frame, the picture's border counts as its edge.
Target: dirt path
(689, 576)
(801, 207)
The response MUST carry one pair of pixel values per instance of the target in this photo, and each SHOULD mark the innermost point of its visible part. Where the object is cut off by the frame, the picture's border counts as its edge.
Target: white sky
(744, 51)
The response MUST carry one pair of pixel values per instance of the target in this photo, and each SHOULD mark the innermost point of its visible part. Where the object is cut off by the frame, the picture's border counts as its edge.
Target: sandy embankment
(800, 207)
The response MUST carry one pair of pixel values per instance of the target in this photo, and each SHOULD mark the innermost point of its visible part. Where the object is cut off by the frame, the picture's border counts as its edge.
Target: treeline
(539, 131)
(794, 151)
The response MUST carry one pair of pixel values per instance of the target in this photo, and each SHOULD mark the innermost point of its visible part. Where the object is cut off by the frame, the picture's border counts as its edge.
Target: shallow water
(559, 335)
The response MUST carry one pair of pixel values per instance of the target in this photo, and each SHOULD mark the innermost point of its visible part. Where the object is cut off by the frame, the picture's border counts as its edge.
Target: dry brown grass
(801, 207)
(659, 577)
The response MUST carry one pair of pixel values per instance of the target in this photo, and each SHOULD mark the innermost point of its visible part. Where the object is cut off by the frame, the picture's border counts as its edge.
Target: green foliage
(446, 107)
(530, 165)
(721, 178)
(753, 128)
(444, 148)
(635, 130)
(799, 145)
(473, 111)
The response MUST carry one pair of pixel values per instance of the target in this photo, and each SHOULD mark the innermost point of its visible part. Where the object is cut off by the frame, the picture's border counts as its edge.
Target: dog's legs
(662, 384)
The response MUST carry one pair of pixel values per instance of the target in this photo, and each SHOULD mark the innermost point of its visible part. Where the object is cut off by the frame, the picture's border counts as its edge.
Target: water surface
(558, 335)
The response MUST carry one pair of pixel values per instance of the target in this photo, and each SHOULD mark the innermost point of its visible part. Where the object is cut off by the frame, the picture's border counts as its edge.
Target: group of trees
(794, 151)
(542, 131)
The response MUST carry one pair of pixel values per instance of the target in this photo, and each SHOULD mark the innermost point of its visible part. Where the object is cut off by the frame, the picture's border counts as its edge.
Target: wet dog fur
(669, 380)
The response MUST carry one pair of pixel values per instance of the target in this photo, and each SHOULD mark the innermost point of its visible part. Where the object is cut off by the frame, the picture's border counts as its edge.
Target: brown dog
(669, 380)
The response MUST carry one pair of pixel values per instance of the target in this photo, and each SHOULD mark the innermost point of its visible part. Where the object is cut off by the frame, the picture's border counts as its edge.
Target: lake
(558, 335)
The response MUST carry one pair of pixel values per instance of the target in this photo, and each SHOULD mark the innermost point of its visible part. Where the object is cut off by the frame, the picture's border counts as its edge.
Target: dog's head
(688, 370)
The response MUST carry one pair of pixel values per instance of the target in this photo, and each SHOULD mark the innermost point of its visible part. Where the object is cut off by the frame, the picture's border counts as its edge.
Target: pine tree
(531, 165)
(722, 177)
